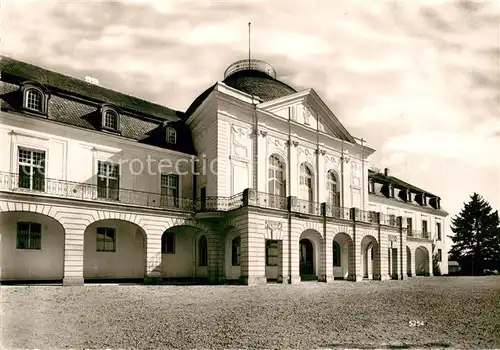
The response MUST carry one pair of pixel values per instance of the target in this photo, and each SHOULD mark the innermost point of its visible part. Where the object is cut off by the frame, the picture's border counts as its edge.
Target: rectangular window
(440, 257)
(392, 220)
(31, 169)
(29, 235)
(108, 181)
(272, 253)
(168, 243)
(424, 226)
(106, 239)
(409, 225)
(170, 190)
(438, 230)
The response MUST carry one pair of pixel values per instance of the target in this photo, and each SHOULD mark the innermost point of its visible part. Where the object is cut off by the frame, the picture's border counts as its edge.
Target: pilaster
(153, 273)
(252, 251)
(355, 267)
(73, 253)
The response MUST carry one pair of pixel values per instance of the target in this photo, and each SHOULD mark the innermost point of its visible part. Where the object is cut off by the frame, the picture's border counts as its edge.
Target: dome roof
(257, 78)
(254, 77)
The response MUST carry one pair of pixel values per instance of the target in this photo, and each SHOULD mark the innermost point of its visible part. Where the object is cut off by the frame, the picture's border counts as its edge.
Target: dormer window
(424, 200)
(371, 186)
(171, 135)
(34, 99)
(110, 119)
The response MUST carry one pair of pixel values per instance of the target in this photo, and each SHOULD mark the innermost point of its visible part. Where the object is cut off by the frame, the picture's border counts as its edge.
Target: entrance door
(306, 257)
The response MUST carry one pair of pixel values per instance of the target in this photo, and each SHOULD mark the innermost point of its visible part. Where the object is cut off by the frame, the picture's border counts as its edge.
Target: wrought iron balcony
(211, 204)
(266, 200)
(369, 217)
(337, 212)
(90, 192)
(388, 220)
(305, 207)
(418, 234)
(10, 182)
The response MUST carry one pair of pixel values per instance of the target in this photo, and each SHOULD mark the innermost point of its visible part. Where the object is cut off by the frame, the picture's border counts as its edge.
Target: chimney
(91, 80)
(386, 171)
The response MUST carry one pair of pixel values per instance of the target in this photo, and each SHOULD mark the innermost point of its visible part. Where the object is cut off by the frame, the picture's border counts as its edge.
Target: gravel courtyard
(459, 312)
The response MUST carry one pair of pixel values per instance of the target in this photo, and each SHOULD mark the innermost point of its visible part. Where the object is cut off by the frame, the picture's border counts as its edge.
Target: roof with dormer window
(394, 181)
(19, 72)
(79, 103)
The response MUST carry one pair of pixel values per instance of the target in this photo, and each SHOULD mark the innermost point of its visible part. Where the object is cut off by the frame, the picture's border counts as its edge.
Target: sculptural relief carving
(240, 141)
(273, 229)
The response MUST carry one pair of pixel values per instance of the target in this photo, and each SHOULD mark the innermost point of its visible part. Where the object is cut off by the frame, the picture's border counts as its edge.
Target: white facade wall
(233, 157)
(72, 154)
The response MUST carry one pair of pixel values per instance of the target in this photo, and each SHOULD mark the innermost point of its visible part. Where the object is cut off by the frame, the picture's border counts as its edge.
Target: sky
(419, 80)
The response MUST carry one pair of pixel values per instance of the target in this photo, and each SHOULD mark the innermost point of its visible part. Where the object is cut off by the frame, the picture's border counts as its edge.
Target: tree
(436, 269)
(476, 243)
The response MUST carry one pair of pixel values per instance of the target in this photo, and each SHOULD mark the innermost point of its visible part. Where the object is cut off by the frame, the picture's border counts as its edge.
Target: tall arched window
(276, 176)
(331, 187)
(235, 251)
(306, 189)
(203, 251)
(336, 254)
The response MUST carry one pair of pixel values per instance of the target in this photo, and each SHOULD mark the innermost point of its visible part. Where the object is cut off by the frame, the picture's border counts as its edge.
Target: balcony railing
(370, 217)
(90, 192)
(219, 203)
(337, 212)
(266, 200)
(418, 234)
(305, 207)
(388, 220)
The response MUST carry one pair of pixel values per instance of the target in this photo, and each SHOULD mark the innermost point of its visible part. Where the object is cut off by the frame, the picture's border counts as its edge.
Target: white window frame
(332, 194)
(32, 166)
(306, 175)
(166, 199)
(28, 93)
(273, 182)
(171, 135)
(104, 114)
(109, 167)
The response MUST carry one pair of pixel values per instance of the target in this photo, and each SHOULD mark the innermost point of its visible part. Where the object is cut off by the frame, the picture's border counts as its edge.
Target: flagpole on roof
(249, 52)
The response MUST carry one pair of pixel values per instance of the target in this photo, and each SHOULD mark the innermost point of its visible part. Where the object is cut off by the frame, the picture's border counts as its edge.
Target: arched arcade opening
(32, 247)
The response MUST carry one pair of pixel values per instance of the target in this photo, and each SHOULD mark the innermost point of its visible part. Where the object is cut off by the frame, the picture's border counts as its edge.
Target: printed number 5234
(414, 323)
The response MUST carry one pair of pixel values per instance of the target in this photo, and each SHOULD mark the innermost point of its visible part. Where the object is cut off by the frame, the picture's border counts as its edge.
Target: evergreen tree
(476, 243)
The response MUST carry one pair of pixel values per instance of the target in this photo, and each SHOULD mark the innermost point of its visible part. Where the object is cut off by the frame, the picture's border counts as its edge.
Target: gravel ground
(461, 312)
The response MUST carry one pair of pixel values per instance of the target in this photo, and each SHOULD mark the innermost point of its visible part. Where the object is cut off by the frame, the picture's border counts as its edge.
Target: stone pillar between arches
(153, 268)
(73, 254)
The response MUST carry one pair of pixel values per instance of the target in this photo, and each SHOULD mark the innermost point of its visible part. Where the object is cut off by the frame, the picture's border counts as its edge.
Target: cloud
(479, 146)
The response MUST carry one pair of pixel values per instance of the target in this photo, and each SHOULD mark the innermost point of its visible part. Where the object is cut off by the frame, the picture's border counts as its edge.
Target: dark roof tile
(382, 178)
(18, 72)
